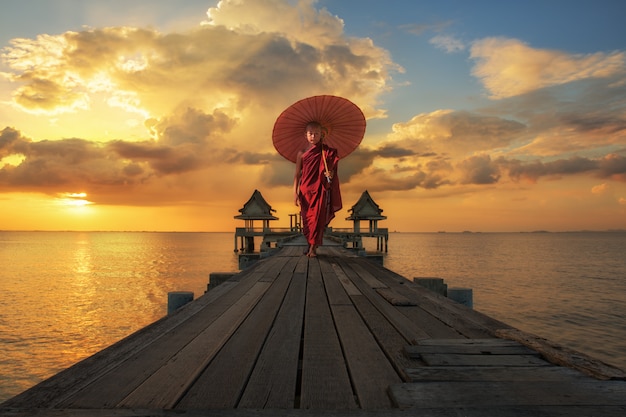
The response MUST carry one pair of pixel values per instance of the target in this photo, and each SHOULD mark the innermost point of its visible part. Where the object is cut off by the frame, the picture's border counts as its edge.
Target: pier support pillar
(177, 299)
(463, 296)
(216, 278)
(434, 284)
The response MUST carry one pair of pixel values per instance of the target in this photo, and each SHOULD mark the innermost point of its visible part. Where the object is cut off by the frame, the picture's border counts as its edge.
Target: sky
(154, 115)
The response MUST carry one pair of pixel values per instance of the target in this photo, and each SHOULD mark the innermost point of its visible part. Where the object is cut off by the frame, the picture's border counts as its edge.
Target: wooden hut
(256, 208)
(366, 209)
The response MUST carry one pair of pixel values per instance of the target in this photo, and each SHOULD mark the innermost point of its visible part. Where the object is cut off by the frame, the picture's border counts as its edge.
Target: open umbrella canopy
(342, 121)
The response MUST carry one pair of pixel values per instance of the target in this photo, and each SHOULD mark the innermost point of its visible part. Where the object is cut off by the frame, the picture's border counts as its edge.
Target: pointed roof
(366, 209)
(256, 209)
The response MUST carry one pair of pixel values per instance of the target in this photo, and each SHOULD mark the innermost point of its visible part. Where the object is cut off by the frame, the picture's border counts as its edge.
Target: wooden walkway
(334, 335)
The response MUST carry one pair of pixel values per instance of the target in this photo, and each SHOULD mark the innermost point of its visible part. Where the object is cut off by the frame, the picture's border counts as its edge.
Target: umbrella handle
(326, 166)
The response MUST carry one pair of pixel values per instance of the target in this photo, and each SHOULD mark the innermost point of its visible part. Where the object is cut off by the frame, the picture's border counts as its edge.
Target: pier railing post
(177, 299)
(463, 296)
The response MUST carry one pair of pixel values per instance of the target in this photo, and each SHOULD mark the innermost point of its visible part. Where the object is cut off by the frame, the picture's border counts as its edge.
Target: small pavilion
(367, 209)
(256, 208)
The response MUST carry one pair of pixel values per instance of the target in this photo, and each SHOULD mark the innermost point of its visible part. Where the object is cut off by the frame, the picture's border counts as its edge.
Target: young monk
(316, 186)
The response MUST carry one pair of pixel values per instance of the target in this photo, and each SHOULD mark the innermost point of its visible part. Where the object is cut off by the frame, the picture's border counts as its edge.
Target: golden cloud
(509, 67)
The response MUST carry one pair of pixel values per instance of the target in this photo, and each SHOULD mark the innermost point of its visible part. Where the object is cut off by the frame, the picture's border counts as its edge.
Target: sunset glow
(149, 115)
(73, 200)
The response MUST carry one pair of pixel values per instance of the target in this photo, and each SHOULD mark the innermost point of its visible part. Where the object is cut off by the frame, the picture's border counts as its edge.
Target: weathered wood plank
(477, 411)
(430, 325)
(127, 371)
(451, 359)
(164, 387)
(564, 356)
(289, 251)
(335, 291)
(469, 322)
(414, 351)
(387, 336)
(406, 327)
(489, 342)
(450, 394)
(491, 373)
(394, 298)
(242, 348)
(366, 276)
(325, 380)
(274, 378)
(370, 370)
(348, 286)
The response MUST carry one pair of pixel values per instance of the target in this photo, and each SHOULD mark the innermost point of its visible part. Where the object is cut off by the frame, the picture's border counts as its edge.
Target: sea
(66, 295)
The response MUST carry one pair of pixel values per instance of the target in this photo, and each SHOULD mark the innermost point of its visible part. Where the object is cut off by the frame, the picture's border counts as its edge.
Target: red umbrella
(342, 121)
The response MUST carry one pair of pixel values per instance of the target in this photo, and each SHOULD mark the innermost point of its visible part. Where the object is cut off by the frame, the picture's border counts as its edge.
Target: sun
(73, 199)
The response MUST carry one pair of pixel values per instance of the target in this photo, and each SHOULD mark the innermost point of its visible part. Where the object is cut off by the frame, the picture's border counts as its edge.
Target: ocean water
(67, 295)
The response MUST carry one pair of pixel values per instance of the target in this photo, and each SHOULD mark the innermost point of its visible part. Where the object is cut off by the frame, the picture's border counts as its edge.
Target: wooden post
(177, 299)
(216, 278)
(434, 284)
(463, 296)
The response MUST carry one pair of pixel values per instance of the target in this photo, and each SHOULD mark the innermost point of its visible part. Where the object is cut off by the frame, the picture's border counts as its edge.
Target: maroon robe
(319, 199)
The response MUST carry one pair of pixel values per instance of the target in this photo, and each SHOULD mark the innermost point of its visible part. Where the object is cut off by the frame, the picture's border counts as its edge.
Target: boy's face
(313, 135)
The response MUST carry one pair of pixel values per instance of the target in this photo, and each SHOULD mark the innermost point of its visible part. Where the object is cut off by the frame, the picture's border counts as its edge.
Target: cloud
(449, 44)
(456, 148)
(421, 28)
(208, 97)
(600, 189)
(186, 141)
(479, 170)
(303, 23)
(243, 54)
(455, 132)
(611, 166)
(509, 67)
(54, 165)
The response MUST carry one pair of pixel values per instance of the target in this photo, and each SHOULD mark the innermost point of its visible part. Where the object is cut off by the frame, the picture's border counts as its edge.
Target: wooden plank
(502, 411)
(564, 356)
(242, 348)
(348, 286)
(489, 342)
(335, 291)
(430, 325)
(129, 371)
(409, 330)
(369, 368)
(491, 373)
(452, 394)
(273, 380)
(290, 251)
(325, 380)
(414, 351)
(164, 387)
(394, 298)
(467, 321)
(387, 336)
(451, 359)
(370, 279)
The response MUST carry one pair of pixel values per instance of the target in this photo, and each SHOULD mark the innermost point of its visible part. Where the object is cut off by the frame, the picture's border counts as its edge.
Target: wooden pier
(335, 335)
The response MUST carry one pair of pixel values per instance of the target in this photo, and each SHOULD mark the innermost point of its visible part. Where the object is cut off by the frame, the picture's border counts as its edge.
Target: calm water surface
(67, 295)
